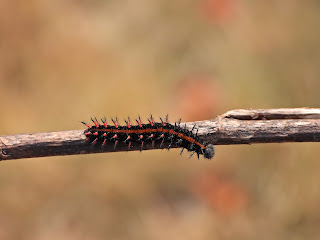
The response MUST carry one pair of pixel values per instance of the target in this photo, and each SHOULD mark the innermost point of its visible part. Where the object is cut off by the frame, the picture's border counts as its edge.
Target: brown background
(62, 62)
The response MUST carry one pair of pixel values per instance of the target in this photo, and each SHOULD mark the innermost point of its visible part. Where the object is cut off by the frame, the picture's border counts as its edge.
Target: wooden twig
(233, 127)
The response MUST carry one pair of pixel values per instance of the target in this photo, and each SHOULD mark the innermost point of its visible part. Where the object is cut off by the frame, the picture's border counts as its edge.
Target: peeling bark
(234, 127)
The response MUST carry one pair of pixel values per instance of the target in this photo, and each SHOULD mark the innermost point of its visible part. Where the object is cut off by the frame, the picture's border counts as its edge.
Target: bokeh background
(62, 62)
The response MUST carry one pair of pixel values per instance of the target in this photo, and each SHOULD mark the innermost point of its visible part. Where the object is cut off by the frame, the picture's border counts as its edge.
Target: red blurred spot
(197, 98)
(219, 11)
(223, 195)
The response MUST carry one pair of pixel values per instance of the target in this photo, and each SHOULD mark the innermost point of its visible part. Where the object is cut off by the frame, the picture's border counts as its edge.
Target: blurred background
(62, 62)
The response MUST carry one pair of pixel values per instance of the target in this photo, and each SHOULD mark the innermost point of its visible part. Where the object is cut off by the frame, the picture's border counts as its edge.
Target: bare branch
(234, 127)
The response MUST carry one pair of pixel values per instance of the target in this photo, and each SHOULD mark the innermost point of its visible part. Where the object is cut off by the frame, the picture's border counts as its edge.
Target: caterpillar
(152, 132)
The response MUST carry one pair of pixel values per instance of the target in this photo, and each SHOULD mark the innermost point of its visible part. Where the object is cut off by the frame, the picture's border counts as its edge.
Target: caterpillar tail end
(209, 151)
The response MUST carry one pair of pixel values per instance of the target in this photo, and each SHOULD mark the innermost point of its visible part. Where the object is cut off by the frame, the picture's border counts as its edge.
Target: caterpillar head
(209, 151)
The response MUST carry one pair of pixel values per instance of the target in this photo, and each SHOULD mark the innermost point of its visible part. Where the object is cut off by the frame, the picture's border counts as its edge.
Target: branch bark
(234, 127)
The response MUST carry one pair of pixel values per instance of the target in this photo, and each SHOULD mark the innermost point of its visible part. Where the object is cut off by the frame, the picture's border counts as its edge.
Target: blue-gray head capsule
(209, 151)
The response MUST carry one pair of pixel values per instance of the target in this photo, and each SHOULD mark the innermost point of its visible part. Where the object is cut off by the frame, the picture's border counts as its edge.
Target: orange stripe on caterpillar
(153, 132)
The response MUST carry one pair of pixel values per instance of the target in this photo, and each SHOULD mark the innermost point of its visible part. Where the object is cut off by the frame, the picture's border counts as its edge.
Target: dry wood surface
(242, 126)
